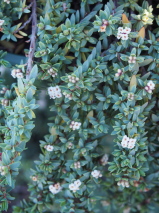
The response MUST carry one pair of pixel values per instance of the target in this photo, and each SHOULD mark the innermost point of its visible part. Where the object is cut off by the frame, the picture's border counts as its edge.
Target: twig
(25, 23)
(32, 40)
(29, 6)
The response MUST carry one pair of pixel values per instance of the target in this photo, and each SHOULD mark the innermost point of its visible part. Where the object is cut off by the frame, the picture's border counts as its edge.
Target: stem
(25, 23)
(32, 40)
(29, 6)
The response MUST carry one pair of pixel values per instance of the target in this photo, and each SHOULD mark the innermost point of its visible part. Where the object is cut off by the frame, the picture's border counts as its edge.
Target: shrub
(98, 62)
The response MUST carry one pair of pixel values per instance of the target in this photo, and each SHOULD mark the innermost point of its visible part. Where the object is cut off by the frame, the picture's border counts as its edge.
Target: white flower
(131, 96)
(72, 187)
(73, 79)
(123, 183)
(124, 37)
(105, 22)
(56, 188)
(57, 89)
(2, 168)
(104, 159)
(69, 96)
(119, 35)
(102, 28)
(120, 29)
(96, 174)
(13, 73)
(4, 102)
(58, 95)
(151, 85)
(34, 178)
(54, 92)
(75, 125)
(125, 138)
(149, 91)
(132, 59)
(7, 1)
(127, 30)
(125, 141)
(123, 33)
(128, 142)
(17, 73)
(49, 148)
(119, 72)
(77, 183)
(1, 22)
(131, 143)
(69, 146)
(77, 165)
(124, 144)
(52, 72)
(75, 186)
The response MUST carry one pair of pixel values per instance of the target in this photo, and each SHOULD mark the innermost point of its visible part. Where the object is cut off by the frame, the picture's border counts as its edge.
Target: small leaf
(34, 72)
(53, 131)
(22, 33)
(133, 81)
(18, 36)
(125, 19)
(145, 62)
(141, 33)
(17, 91)
(90, 114)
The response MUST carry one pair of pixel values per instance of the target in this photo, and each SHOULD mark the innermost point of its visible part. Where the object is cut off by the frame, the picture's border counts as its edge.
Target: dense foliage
(98, 62)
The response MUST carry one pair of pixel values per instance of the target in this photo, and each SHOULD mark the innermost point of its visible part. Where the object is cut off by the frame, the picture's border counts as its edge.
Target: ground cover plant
(98, 65)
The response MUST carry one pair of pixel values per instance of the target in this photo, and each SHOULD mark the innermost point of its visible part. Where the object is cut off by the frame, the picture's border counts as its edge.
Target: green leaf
(34, 72)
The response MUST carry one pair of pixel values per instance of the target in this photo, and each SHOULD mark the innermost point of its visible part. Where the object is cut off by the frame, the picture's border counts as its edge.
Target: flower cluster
(77, 165)
(43, 52)
(75, 125)
(56, 188)
(150, 86)
(73, 79)
(49, 148)
(69, 145)
(132, 60)
(17, 73)
(7, 1)
(75, 185)
(34, 178)
(52, 72)
(147, 16)
(123, 33)
(5, 102)
(119, 73)
(96, 174)
(123, 183)
(136, 183)
(105, 23)
(54, 92)
(131, 96)
(104, 160)
(3, 91)
(69, 96)
(128, 142)
(2, 171)
(1, 22)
